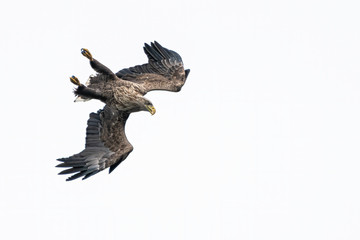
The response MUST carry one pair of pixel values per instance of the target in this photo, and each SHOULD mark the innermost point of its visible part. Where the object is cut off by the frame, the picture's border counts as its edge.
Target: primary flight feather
(123, 93)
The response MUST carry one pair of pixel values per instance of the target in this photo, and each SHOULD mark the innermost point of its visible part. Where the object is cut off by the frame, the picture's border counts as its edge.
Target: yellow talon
(86, 53)
(75, 80)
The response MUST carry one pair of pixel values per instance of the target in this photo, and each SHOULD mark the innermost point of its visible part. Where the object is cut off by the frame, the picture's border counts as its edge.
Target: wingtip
(151, 43)
(156, 43)
(187, 71)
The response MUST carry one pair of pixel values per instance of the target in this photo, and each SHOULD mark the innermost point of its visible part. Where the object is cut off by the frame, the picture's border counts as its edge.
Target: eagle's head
(148, 106)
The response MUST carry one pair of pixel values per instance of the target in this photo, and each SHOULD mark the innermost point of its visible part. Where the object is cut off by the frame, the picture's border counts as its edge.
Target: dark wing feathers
(164, 70)
(152, 52)
(106, 145)
(187, 71)
(165, 53)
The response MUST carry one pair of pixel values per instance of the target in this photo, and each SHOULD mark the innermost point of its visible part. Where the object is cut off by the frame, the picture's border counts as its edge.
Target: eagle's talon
(75, 80)
(86, 53)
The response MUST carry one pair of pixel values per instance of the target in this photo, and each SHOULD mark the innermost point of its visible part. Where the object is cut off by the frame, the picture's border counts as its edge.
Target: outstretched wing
(164, 71)
(106, 145)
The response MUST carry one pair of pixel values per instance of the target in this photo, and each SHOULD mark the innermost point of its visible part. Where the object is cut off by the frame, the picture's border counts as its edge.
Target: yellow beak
(151, 109)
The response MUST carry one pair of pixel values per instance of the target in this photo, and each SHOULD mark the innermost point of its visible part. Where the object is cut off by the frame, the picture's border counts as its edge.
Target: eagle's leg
(86, 92)
(96, 65)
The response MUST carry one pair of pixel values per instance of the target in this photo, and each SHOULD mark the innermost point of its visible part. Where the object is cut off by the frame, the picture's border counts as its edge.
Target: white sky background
(261, 143)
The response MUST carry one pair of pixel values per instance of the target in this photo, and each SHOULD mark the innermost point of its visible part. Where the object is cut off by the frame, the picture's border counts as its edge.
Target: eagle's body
(119, 94)
(106, 143)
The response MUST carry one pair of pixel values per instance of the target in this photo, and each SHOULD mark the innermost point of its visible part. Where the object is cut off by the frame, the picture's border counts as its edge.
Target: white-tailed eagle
(122, 92)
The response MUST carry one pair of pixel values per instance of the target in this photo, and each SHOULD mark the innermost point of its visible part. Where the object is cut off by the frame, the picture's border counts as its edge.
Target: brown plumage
(106, 143)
